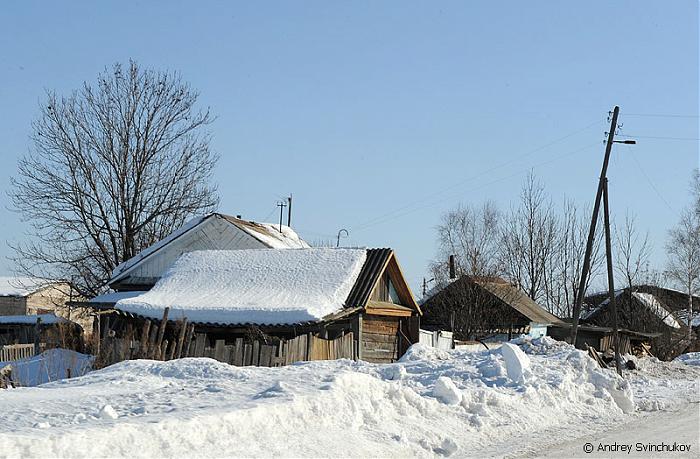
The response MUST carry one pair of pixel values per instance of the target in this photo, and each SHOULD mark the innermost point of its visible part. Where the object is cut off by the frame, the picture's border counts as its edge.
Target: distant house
(31, 296)
(478, 308)
(264, 295)
(648, 309)
(211, 232)
(23, 300)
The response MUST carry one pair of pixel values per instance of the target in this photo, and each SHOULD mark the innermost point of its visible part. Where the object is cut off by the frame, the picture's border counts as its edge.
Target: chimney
(453, 274)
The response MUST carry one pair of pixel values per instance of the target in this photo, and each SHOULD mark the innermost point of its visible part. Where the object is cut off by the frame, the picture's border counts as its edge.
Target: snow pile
(446, 391)
(50, 365)
(464, 405)
(516, 362)
(21, 286)
(651, 302)
(691, 358)
(261, 286)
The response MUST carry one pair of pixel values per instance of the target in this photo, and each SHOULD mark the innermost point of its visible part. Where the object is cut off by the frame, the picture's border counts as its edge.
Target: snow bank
(691, 358)
(264, 286)
(50, 365)
(464, 405)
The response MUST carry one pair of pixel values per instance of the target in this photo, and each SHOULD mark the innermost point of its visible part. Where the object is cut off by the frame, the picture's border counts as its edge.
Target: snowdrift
(431, 403)
(50, 365)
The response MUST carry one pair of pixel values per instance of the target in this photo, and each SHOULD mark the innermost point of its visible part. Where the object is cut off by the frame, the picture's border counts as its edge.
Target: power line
(472, 178)
(653, 187)
(659, 137)
(429, 204)
(657, 115)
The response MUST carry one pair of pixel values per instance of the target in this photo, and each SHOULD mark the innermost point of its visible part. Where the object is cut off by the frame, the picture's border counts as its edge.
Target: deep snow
(261, 286)
(50, 365)
(431, 403)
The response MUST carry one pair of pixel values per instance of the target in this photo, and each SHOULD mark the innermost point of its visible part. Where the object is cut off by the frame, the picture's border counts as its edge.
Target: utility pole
(289, 211)
(281, 205)
(591, 234)
(601, 193)
(611, 280)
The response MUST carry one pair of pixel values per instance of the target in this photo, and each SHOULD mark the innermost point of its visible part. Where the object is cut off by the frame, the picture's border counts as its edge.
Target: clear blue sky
(362, 108)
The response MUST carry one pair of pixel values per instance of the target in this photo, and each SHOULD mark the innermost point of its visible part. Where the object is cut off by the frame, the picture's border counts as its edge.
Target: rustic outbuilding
(355, 301)
(655, 311)
(483, 307)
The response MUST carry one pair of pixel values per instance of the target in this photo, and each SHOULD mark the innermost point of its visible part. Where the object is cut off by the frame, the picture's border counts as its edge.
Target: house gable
(391, 294)
(211, 233)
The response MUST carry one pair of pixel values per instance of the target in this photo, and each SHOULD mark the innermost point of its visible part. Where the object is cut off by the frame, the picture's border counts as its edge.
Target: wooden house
(31, 296)
(230, 299)
(649, 310)
(211, 232)
(478, 308)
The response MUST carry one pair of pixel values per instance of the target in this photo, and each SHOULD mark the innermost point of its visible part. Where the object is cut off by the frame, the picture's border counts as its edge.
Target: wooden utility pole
(581, 292)
(611, 280)
(289, 210)
(281, 205)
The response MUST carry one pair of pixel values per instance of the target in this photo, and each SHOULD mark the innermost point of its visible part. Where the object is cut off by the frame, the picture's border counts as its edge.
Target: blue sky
(380, 116)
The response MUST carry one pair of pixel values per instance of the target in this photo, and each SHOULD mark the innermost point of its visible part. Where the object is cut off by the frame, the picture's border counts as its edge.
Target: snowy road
(681, 427)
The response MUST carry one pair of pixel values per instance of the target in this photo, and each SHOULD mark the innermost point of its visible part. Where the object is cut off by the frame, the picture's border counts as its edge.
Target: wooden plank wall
(380, 339)
(239, 352)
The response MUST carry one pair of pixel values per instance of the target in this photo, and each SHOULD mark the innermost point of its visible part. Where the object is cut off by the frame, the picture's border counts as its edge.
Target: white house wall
(212, 234)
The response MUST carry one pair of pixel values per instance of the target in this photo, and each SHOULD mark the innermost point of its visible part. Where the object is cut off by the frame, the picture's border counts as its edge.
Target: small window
(393, 295)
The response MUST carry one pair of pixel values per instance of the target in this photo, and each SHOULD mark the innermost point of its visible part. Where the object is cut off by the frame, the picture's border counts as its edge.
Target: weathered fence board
(184, 342)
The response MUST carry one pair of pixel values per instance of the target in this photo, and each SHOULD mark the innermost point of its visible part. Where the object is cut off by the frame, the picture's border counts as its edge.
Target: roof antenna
(342, 230)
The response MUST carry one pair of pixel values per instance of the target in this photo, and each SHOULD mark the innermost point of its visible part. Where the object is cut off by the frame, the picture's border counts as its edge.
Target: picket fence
(12, 352)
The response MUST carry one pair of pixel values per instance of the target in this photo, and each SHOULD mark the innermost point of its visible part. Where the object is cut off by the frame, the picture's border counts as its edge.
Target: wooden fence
(239, 353)
(12, 352)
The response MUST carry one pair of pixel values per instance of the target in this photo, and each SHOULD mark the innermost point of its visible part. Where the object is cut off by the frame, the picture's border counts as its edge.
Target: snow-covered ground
(433, 403)
(50, 365)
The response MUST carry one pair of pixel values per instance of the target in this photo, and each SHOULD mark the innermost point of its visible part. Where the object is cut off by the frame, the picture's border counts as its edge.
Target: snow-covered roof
(260, 286)
(21, 286)
(267, 233)
(31, 319)
(113, 297)
(655, 306)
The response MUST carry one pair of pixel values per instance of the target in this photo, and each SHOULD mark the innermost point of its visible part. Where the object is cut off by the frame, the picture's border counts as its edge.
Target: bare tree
(471, 235)
(115, 167)
(683, 250)
(563, 272)
(633, 252)
(529, 240)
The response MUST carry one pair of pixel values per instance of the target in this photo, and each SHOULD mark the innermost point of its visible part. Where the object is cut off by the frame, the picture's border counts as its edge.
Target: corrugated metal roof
(368, 277)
